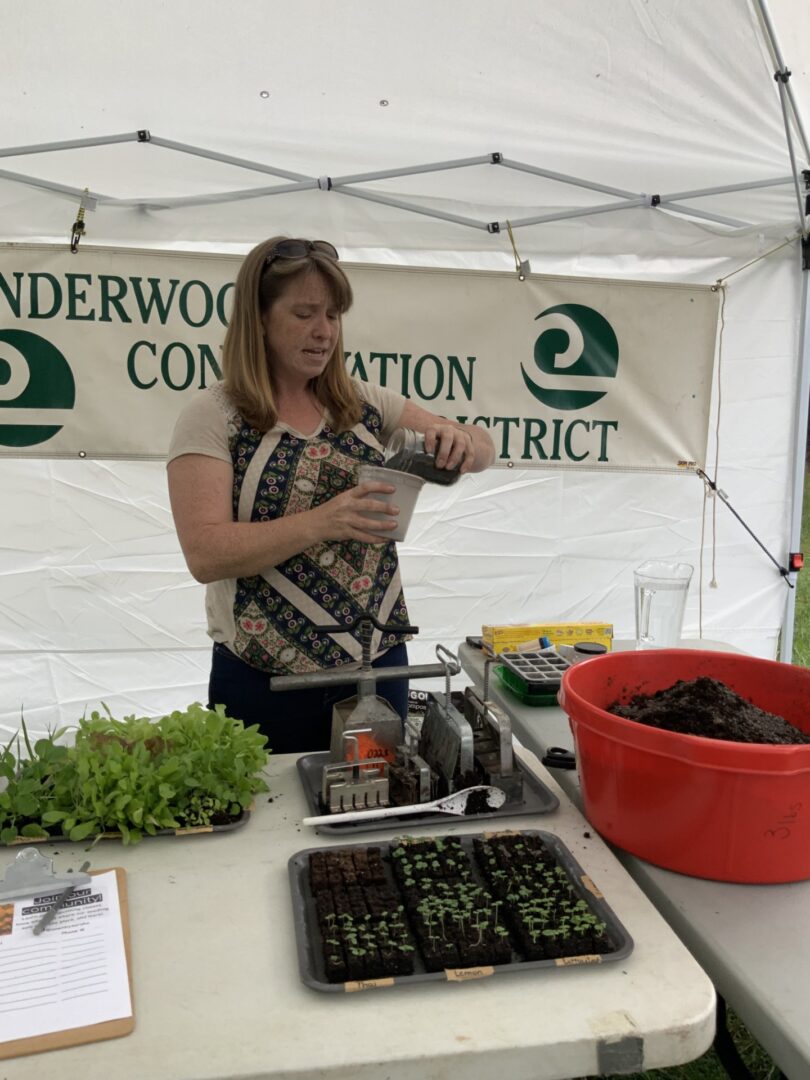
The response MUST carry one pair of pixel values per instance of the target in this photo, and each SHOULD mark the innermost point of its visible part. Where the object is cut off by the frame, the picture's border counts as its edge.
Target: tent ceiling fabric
(648, 96)
(654, 97)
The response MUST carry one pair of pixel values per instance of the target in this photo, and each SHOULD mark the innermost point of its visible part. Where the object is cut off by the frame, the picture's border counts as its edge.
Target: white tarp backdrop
(648, 102)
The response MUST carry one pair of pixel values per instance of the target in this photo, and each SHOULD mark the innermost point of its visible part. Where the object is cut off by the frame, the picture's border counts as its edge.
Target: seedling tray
(191, 830)
(537, 799)
(540, 673)
(518, 687)
(474, 855)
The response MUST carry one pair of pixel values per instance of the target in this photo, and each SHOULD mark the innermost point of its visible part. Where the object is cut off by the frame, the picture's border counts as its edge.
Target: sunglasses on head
(301, 249)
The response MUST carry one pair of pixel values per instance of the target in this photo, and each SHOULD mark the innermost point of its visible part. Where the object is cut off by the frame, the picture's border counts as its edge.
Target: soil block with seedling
(446, 908)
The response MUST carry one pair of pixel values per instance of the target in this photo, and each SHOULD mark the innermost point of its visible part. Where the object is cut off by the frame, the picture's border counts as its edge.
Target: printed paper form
(73, 974)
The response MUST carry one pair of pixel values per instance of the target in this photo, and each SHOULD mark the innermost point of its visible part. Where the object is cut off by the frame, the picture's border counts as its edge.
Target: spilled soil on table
(707, 707)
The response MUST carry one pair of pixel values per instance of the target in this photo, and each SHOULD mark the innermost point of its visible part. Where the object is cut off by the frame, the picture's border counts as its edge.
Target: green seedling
(135, 776)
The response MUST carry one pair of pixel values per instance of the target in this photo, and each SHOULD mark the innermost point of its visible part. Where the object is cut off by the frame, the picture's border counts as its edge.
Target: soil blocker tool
(460, 743)
(366, 729)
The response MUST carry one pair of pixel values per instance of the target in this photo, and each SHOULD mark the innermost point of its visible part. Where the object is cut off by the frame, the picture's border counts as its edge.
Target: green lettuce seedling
(135, 776)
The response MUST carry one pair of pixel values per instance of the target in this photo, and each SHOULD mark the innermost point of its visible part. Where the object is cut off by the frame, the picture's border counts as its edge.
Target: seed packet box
(506, 637)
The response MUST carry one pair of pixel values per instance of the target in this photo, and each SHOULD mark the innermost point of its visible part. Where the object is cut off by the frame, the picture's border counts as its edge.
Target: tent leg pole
(799, 449)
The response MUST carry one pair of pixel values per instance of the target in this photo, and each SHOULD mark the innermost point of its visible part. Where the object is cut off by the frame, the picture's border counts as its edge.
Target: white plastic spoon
(450, 804)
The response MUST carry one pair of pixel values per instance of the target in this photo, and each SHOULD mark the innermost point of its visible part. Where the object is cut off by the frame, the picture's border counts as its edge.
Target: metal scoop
(450, 804)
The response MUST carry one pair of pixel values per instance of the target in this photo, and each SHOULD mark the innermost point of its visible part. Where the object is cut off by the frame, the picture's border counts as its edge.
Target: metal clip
(77, 232)
(32, 873)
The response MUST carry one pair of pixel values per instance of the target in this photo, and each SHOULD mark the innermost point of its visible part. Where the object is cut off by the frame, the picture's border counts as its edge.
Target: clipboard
(76, 1036)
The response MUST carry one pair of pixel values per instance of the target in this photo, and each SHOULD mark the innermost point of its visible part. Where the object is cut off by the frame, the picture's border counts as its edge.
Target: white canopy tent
(232, 124)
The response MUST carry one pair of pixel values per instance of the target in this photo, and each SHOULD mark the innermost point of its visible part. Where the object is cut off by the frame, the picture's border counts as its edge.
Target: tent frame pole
(752, 185)
(226, 159)
(691, 211)
(70, 144)
(415, 170)
(563, 178)
(344, 185)
(790, 110)
(413, 208)
(783, 101)
(91, 199)
(212, 200)
(776, 54)
(800, 428)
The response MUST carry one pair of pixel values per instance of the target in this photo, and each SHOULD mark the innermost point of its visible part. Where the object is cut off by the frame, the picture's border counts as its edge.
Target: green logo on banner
(39, 377)
(574, 341)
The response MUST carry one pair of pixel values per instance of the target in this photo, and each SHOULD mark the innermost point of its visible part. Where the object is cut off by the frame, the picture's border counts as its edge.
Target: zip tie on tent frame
(522, 266)
(78, 227)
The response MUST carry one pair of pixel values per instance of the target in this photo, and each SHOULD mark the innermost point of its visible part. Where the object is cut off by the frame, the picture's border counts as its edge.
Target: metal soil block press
(375, 761)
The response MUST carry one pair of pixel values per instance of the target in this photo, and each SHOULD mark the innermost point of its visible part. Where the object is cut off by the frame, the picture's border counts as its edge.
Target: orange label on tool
(368, 749)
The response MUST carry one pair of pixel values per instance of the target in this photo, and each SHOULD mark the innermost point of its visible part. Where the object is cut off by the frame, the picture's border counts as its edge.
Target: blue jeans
(294, 721)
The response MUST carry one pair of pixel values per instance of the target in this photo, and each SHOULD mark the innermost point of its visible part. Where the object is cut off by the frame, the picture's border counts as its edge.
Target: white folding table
(218, 993)
(751, 940)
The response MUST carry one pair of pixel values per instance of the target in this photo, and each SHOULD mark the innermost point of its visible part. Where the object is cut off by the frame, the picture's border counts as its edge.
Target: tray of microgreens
(193, 771)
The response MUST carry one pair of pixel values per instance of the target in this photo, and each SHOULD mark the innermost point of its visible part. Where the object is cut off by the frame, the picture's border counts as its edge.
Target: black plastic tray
(537, 799)
(308, 936)
(192, 830)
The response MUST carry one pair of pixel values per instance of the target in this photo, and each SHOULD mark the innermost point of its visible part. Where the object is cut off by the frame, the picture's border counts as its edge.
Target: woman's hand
(468, 446)
(216, 547)
(346, 517)
(451, 445)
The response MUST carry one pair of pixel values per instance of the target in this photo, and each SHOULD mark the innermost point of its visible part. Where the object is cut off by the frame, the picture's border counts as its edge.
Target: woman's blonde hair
(246, 372)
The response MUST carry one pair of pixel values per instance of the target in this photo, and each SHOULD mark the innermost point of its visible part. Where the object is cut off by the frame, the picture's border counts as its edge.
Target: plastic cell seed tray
(423, 932)
(517, 688)
(533, 677)
(541, 672)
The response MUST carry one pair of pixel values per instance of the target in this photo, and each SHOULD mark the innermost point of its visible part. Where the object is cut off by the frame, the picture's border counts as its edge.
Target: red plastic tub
(705, 807)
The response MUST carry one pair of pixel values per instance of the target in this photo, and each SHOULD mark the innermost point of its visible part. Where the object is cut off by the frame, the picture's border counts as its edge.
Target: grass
(708, 1067)
(801, 626)
(760, 1066)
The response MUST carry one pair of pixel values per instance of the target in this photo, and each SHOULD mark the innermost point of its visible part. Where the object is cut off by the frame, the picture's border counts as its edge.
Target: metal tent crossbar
(348, 185)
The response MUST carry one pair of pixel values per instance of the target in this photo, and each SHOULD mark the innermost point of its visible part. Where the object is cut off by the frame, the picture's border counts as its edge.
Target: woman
(262, 479)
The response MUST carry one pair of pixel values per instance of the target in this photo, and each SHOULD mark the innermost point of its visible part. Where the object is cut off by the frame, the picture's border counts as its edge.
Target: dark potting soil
(477, 803)
(707, 707)
(423, 466)
(431, 901)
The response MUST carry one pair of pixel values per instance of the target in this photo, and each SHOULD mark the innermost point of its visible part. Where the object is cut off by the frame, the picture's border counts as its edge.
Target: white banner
(100, 349)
